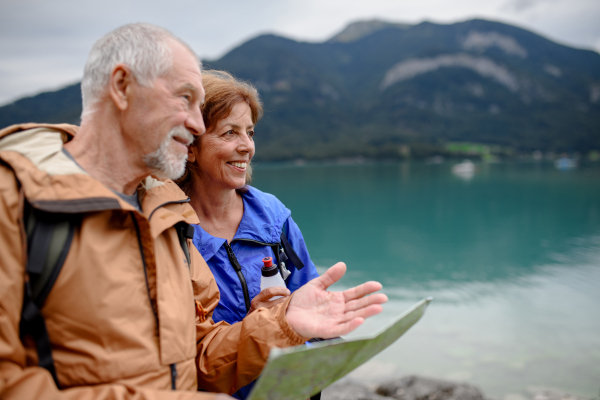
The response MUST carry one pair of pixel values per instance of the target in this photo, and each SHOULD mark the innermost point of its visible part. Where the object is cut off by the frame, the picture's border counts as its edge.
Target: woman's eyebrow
(236, 126)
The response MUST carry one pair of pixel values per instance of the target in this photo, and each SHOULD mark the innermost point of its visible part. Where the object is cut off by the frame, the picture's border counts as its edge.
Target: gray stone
(349, 391)
(420, 388)
(554, 395)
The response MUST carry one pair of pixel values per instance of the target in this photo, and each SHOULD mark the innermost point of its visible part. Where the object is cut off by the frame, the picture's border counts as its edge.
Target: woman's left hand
(262, 300)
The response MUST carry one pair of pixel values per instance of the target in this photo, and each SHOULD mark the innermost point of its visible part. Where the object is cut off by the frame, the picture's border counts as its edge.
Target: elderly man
(129, 313)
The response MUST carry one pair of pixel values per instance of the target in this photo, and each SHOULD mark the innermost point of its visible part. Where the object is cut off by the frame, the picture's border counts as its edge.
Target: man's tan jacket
(125, 305)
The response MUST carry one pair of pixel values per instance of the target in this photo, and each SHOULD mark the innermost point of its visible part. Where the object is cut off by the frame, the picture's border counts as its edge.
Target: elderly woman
(239, 224)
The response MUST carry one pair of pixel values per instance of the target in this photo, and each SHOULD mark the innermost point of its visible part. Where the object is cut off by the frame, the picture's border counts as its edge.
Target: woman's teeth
(238, 164)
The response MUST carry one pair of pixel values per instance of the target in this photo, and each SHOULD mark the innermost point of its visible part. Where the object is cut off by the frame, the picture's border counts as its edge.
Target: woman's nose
(246, 144)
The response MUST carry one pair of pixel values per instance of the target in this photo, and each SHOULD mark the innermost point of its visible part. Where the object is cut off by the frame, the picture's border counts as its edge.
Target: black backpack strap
(291, 254)
(185, 231)
(276, 247)
(49, 238)
(283, 252)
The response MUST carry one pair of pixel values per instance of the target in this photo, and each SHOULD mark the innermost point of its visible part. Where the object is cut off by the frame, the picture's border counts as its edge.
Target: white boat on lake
(465, 169)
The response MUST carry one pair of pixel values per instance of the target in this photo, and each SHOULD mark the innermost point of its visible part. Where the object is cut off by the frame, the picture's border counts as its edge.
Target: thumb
(331, 276)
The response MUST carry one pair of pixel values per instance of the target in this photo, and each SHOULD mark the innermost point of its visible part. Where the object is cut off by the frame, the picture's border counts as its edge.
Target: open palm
(315, 312)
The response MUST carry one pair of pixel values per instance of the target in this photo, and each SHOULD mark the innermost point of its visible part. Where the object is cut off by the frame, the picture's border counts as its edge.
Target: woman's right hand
(262, 300)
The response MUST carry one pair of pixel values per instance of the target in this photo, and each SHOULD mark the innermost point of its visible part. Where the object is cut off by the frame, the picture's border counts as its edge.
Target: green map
(296, 373)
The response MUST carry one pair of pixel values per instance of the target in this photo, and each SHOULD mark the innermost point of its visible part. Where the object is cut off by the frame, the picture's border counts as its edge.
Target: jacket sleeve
(298, 277)
(17, 380)
(231, 356)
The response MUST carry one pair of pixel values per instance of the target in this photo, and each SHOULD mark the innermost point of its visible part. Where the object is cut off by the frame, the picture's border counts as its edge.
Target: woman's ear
(192, 153)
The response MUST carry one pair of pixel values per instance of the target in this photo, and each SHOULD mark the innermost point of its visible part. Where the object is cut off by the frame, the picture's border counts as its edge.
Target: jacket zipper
(139, 237)
(238, 269)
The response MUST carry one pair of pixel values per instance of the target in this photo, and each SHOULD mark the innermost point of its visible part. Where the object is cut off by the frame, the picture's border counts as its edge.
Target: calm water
(511, 257)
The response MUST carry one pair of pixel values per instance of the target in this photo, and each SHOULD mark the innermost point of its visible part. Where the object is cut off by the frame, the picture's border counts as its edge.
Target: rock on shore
(422, 388)
(419, 388)
(350, 391)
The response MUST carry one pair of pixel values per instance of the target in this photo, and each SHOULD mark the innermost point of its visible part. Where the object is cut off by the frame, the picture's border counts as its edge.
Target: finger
(361, 290)
(272, 303)
(354, 305)
(365, 312)
(331, 276)
(267, 293)
(344, 328)
(255, 305)
(263, 299)
(221, 396)
(369, 311)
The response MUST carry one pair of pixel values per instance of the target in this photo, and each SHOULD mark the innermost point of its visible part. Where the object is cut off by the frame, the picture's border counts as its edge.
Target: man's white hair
(145, 48)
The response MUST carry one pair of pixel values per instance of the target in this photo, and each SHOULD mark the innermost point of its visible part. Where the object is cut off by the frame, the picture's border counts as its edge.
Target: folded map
(296, 373)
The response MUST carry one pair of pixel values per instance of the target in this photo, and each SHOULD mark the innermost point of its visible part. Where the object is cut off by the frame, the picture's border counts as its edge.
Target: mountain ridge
(387, 87)
(358, 29)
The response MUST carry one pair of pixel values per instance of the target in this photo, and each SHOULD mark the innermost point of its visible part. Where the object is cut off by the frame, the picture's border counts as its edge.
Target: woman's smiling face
(224, 152)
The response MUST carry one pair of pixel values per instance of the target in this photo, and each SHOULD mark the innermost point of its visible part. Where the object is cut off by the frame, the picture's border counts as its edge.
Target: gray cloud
(523, 5)
(44, 44)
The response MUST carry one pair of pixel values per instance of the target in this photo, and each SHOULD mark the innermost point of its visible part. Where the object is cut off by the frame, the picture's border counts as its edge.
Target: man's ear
(120, 85)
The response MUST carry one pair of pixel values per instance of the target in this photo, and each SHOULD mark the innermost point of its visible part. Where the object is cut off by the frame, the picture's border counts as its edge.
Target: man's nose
(195, 123)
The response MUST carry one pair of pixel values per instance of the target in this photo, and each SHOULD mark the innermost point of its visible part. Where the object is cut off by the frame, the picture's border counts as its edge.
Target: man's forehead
(184, 56)
(185, 66)
(178, 45)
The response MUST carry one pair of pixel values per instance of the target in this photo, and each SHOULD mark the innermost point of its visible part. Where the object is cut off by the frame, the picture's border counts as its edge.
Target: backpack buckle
(284, 271)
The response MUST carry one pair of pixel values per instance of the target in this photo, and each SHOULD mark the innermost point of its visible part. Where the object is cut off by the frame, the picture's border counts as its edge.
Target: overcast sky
(44, 43)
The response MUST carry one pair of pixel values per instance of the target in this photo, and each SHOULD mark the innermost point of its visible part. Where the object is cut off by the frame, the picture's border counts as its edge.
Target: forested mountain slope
(378, 89)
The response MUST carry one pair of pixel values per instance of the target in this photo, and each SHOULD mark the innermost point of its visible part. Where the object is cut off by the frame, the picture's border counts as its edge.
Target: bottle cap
(268, 269)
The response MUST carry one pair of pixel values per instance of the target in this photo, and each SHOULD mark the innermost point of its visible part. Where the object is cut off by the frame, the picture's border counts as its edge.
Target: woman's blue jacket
(262, 223)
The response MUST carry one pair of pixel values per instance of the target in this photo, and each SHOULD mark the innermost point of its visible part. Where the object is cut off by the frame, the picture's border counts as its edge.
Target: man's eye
(251, 134)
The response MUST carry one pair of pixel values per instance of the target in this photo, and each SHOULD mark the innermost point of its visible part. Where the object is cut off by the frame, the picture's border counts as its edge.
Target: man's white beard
(167, 162)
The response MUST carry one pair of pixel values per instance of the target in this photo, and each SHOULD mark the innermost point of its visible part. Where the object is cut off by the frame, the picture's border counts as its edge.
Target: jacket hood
(42, 146)
(53, 182)
(263, 220)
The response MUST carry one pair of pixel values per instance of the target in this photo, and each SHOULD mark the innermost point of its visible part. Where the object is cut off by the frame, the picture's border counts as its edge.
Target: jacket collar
(53, 182)
(164, 205)
(262, 221)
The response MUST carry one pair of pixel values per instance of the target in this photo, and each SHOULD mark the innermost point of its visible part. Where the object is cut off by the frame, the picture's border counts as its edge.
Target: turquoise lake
(510, 255)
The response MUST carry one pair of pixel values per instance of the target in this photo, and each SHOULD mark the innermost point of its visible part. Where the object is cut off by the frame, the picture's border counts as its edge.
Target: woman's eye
(229, 133)
(250, 134)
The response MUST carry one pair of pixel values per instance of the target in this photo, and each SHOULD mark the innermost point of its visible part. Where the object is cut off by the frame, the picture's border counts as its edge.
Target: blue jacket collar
(263, 220)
